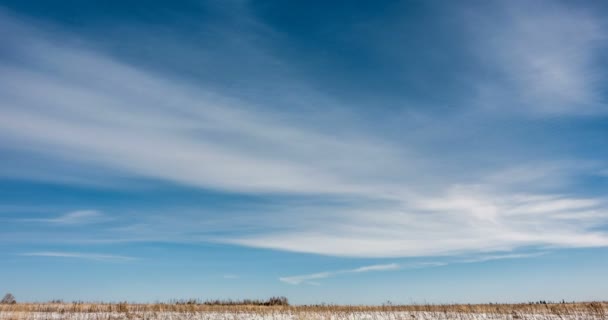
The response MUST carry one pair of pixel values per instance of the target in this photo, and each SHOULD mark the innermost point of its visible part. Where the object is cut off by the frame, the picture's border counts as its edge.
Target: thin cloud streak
(78, 217)
(295, 280)
(503, 257)
(79, 255)
(306, 278)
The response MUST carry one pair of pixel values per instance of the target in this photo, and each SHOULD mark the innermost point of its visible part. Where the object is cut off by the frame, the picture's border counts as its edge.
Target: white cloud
(68, 104)
(547, 55)
(307, 278)
(74, 218)
(485, 258)
(465, 219)
(377, 267)
(327, 274)
(72, 104)
(78, 255)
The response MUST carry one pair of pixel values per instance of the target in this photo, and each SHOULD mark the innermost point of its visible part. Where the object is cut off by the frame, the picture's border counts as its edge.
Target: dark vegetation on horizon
(273, 301)
(8, 299)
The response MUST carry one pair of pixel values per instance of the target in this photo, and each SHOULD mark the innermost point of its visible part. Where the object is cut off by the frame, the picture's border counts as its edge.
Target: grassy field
(196, 311)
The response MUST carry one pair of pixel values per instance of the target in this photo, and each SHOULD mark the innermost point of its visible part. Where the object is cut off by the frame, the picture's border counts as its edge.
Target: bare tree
(8, 299)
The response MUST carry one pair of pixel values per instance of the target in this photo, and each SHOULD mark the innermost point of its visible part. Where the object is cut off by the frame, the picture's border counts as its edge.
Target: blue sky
(411, 151)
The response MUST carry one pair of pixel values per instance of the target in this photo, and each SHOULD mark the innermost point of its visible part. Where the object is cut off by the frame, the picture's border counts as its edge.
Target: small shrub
(277, 301)
(8, 299)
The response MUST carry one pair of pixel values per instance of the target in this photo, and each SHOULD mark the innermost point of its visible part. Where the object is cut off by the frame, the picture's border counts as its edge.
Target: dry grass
(172, 311)
(597, 308)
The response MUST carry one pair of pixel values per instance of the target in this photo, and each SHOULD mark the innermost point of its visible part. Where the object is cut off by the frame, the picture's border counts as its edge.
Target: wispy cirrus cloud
(310, 278)
(200, 138)
(78, 217)
(546, 54)
(462, 220)
(365, 194)
(80, 255)
(484, 258)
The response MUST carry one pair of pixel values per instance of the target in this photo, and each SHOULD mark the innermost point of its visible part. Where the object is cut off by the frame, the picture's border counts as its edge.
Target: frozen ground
(329, 315)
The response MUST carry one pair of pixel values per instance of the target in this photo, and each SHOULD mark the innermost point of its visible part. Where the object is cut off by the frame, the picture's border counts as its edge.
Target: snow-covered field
(283, 315)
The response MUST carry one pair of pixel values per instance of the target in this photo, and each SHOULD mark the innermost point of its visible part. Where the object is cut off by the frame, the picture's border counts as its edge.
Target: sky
(330, 152)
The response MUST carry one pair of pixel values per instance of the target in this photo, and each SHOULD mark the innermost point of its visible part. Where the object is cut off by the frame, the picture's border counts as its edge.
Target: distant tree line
(273, 301)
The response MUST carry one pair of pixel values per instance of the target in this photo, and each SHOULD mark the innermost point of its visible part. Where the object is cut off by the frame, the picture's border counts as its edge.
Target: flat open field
(119, 311)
